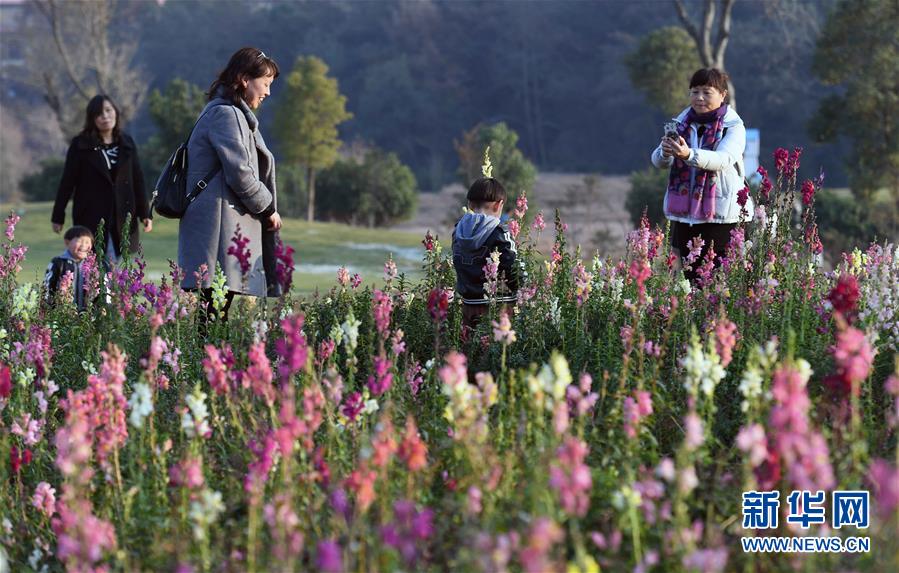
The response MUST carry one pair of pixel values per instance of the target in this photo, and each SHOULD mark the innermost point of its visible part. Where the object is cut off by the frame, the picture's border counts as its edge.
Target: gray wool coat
(242, 193)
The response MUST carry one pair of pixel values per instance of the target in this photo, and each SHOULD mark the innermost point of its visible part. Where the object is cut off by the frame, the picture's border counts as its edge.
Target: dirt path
(593, 210)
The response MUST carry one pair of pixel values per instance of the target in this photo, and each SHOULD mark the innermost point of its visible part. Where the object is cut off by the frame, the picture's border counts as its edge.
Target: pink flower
(217, 365)
(514, 228)
(455, 371)
(635, 409)
(854, 357)
(343, 277)
(521, 206)
(571, 477)
(240, 251)
(765, 186)
(355, 281)
(188, 473)
(362, 482)
(885, 481)
(382, 307)
(82, 537)
(390, 271)
(539, 224)
(325, 350)
(44, 499)
(28, 429)
(382, 379)
(542, 536)
(502, 330)
(695, 434)
(725, 340)
(384, 444)
(706, 560)
(258, 375)
(413, 451)
(397, 344)
(284, 525)
(414, 378)
(751, 439)
(11, 221)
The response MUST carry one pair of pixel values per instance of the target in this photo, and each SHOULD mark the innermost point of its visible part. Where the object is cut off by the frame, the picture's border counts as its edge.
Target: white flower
(141, 404)
(683, 287)
(750, 386)
(703, 369)
(204, 511)
(24, 301)
(617, 285)
(193, 421)
(336, 334)
(371, 406)
(351, 332)
(555, 312)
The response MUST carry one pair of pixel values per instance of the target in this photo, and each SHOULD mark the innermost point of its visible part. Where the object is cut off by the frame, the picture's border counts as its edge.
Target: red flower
(765, 186)
(781, 159)
(844, 296)
(18, 460)
(742, 196)
(5, 382)
(767, 474)
(428, 241)
(438, 304)
(808, 192)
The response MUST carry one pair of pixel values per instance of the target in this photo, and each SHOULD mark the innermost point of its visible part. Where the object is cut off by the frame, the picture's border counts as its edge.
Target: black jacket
(100, 194)
(475, 236)
(57, 268)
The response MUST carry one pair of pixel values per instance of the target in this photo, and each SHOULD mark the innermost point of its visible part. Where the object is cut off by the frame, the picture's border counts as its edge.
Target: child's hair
(485, 190)
(78, 231)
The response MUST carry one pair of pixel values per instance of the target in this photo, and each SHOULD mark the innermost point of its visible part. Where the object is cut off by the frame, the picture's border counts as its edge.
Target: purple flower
(292, 348)
(240, 251)
(328, 558)
(284, 265)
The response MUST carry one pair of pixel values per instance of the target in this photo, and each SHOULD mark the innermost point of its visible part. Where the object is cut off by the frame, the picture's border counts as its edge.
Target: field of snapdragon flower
(609, 422)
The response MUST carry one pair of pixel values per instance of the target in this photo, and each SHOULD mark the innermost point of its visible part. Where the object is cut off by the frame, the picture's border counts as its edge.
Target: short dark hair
(245, 62)
(93, 111)
(710, 77)
(485, 190)
(77, 231)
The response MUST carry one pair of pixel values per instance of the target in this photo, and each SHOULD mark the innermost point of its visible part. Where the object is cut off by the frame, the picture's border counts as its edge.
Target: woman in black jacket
(103, 173)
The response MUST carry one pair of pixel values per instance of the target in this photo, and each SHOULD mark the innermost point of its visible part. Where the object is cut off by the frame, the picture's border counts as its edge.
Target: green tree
(375, 190)
(646, 195)
(310, 109)
(174, 111)
(858, 50)
(661, 66)
(42, 184)
(510, 166)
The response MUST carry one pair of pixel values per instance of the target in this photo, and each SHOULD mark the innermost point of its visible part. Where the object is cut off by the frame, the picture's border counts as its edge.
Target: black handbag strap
(204, 182)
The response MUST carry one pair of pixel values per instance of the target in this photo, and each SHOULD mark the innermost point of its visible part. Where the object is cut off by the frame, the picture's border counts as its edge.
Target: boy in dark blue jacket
(79, 242)
(477, 235)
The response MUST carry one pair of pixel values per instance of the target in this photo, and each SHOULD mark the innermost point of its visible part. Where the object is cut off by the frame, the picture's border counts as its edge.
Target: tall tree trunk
(711, 50)
(310, 189)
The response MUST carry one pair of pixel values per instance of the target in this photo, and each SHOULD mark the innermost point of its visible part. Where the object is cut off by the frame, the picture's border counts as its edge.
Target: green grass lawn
(320, 248)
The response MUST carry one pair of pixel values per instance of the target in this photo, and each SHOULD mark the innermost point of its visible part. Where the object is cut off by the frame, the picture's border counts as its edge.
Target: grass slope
(320, 247)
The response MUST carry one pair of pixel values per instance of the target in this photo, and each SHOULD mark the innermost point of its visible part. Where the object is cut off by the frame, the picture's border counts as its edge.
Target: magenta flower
(325, 350)
(844, 296)
(781, 159)
(240, 251)
(765, 186)
(292, 348)
(382, 378)
(284, 265)
(352, 406)
(429, 242)
(408, 531)
(328, 557)
(743, 196)
(5, 382)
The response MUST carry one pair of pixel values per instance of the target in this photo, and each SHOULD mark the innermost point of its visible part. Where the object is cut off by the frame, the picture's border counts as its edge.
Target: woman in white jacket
(705, 158)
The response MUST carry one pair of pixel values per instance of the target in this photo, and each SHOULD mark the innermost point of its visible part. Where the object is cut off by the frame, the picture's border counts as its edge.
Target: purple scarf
(697, 203)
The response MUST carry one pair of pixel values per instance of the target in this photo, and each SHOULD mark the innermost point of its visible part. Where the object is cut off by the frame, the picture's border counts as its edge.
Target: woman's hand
(676, 148)
(148, 225)
(274, 222)
(57, 228)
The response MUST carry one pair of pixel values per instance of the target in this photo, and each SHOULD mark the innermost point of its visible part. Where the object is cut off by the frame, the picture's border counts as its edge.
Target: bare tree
(81, 59)
(711, 50)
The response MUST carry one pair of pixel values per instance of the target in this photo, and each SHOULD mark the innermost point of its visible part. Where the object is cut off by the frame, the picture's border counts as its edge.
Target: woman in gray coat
(241, 196)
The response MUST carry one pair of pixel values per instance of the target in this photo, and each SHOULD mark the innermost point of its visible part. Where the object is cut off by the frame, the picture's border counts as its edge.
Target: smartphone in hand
(671, 130)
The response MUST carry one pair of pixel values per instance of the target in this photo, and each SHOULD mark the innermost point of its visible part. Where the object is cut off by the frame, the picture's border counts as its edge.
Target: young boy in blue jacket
(79, 241)
(478, 234)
